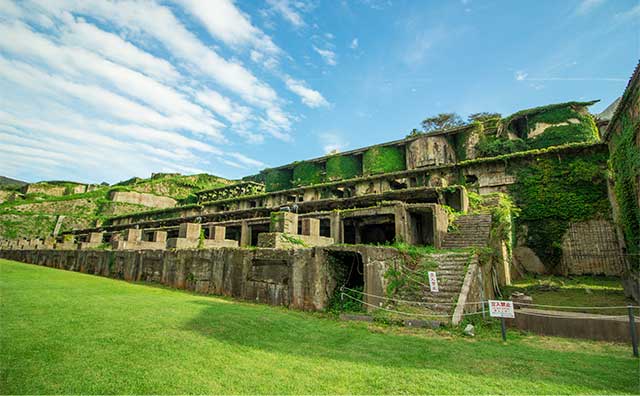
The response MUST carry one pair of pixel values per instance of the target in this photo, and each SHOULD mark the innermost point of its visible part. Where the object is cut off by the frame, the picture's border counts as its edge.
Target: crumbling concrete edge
(469, 277)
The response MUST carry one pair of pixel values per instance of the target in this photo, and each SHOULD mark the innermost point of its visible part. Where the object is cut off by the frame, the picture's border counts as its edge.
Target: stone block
(285, 222)
(279, 240)
(95, 237)
(159, 236)
(310, 227)
(218, 233)
(190, 243)
(189, 230)
(133, 235)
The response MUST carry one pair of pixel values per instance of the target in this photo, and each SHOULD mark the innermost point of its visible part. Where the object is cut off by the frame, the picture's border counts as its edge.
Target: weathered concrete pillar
(95, 237)
(335, 226)
(285, 222)
(189, 230)
(218, 233)
(133, 235)
(401, 223)
(310, 227)
(159, 236)
(245, 234)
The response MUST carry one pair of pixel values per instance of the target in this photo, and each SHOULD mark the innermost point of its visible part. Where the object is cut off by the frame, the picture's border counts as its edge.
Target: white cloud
(287, 11)
(309, 96)
(109, 88)
(630, 14)
(332, 142)
(586, 6)
(520, 75)
(326, 54)
(354, 43)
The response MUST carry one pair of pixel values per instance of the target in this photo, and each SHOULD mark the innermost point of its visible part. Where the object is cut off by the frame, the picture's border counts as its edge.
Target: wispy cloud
(354, 43)
(103, 90)
(586, 6)
(328, 55)
(332, 141)
(310, 97)
(289, 11)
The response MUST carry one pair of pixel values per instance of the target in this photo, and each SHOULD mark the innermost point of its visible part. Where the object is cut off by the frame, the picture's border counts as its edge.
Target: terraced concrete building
(476, 205)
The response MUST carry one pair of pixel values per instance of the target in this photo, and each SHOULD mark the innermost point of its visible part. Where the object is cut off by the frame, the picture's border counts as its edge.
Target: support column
(335, 225)
(245, 234)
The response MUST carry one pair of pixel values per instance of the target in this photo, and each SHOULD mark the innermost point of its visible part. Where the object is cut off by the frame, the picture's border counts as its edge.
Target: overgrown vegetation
(307, 173)
(277, 179)
(341, 167)
(577, 291)
(35, 214)
(625, 169)
(552, 193)
(383, 159)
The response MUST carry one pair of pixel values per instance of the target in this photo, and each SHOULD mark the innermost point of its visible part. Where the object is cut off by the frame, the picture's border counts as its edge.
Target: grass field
(65, 332)
(578, 291)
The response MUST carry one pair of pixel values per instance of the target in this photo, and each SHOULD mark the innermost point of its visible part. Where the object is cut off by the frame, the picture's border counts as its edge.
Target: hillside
(34, 212)
(7, 182)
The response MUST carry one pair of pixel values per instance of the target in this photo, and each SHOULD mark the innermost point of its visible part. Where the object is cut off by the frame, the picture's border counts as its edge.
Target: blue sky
(96, 90)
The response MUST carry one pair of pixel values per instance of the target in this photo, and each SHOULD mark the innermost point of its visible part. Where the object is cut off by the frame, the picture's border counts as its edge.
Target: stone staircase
(451, 271)
(472, 231)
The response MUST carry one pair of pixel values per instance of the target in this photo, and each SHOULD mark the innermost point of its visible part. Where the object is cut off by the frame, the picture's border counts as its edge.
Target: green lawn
(578, 291)
(65, 332)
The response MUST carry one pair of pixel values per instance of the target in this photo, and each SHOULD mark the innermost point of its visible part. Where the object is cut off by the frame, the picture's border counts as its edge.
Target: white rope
(408, 313)
(569, 307)
(481, 302)
(407, 301)
(539, 314)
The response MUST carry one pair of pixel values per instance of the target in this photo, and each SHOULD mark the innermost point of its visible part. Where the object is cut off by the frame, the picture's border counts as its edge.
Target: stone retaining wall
(291, 278)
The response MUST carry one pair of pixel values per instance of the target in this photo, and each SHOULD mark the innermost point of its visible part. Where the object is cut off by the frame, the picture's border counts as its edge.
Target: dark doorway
(347, 269)
(232, 233)
(257, 229)
(325, 228)
(378, 234)
(422, 228)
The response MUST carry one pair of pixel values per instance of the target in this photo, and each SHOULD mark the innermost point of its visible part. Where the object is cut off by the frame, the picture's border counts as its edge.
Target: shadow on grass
(300, 334)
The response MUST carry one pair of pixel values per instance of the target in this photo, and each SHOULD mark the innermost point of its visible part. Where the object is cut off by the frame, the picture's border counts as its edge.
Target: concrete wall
(278, 277)
(574, 325)
(591, 247)
(150, 200)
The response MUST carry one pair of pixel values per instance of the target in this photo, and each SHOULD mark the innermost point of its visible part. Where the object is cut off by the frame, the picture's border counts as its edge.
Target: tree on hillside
(442, 121)
(483, 116)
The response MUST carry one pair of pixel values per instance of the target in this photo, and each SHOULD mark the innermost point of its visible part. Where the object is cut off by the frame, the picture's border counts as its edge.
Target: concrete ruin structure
(484, 202)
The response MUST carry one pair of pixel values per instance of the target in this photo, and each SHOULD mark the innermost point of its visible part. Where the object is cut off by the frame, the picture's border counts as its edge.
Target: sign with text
(433, 282)
(501, 309)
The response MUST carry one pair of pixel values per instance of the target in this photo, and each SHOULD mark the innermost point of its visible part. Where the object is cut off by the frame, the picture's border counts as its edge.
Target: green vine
(307, 173)
(383, 159)
(340, 167)
(625, 166)
(552, 193)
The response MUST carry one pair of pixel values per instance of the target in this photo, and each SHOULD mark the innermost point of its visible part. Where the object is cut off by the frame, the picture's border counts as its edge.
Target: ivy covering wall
(625, 167)
(307, 173)
(340, 167)
(576, 126)
(383, 159)
(277, 179)
(552, 192)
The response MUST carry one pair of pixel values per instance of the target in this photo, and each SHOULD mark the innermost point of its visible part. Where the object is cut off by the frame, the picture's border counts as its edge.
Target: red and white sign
(501, 309)
(433, 282)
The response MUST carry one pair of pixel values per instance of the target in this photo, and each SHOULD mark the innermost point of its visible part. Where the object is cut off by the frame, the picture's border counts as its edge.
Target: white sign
(433, 282)
(501, 309)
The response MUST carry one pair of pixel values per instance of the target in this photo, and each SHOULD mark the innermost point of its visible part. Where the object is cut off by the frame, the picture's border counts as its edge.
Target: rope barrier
(409, 313)
(483, 302)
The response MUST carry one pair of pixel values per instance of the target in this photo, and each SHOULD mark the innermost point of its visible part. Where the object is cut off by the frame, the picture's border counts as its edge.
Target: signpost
(433, 282)
(501, 309)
